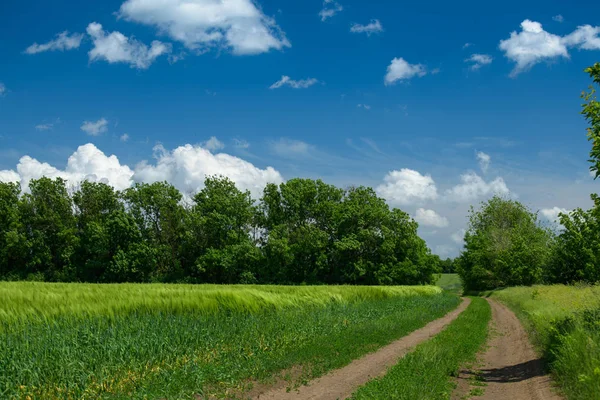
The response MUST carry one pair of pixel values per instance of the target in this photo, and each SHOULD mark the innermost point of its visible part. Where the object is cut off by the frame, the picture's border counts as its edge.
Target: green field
(564, 323)
(174, 341)
(449, 282)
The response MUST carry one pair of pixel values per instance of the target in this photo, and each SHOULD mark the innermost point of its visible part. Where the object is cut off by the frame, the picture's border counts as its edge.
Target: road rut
(341, 383)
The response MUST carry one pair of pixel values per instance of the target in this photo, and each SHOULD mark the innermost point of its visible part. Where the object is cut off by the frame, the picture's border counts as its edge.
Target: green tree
(591, 111)
(160, 217)
(576, 255)
(219, 237)
(13, 242)
(505, 245)
(47, 212)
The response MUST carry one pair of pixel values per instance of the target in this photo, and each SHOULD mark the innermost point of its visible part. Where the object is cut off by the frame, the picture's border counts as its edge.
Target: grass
(174, 341)
(564, 323)
(450, 282)
(427, 373)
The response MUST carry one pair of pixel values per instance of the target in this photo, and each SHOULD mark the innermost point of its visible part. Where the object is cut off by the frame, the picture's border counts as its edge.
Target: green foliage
(84, 341)
(564, 322)
(576, 255)
(591, 111)
(429, 371)
(302, 231)
(505, 245)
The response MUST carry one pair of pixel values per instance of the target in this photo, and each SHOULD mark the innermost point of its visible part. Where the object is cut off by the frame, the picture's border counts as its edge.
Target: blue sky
(378, 93)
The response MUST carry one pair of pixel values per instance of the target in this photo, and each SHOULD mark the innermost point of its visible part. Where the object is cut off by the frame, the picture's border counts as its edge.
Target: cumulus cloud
(87, 163)
(551, 214)
(406, 187)
(484, 161)
(400, 70)
(213, 144)
(533, 44)
(2, 89)
(430, 218)
(187, 166)
(467, 45)
(95, 128)
(9, 176)
(63, 41)
(287, 81)
(115, 47)
(372, 27)
(558, 18)
(241, 143)
(585, 37)
(238, 25)
(479, 60)
(330, 8)
(458, 237)
(124, 137)
(474, 187)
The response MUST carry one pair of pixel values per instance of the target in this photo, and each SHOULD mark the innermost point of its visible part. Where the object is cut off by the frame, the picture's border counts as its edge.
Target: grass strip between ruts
(428, 372)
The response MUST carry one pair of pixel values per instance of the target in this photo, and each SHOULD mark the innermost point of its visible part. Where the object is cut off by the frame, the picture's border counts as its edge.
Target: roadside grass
(428, 372)
(564, 324)
(450, 282)
(175, 341)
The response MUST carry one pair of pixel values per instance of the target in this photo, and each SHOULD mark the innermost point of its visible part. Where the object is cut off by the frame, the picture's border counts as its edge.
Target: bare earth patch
(341, 383)
(509, 368)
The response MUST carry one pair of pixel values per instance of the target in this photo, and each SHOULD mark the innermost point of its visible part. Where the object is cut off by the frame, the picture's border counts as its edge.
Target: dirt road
(510, 367)
(341, 383)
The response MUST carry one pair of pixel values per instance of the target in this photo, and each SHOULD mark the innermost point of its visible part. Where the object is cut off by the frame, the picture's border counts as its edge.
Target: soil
(341, 383)
(509, 368)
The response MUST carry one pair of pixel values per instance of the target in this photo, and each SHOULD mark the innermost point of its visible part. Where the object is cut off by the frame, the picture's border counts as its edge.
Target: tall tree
(591, 111)
(505, 245)
(13, 242)
(47, 213)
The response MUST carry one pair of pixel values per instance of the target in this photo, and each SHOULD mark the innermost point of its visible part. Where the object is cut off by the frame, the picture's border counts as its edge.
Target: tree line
(302, 231)
(507, 245)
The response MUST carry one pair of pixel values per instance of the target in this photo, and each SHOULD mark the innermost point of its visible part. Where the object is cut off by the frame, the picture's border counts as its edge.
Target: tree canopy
(302, 231)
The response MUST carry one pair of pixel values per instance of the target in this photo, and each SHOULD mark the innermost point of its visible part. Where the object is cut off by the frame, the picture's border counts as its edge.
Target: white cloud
(558, 18)
(458, 237)
(406, 187)
(87, 163)
(187, 166)
(400, 70)
(287, 147)
(62, 42)
(124, 137)
(484, 161)
(8, 176)
(95, 128)
(533, 44)
(2, 89)
(44, 127)
(479, 60)
(373, 27)
(287, 81)
(365, 106)
(330, 8)
(585, 37)
(213, 144)
(238, 25)
(467, 45)
(474, 187)
(430, 218)
(551, 214)
(115, 47)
